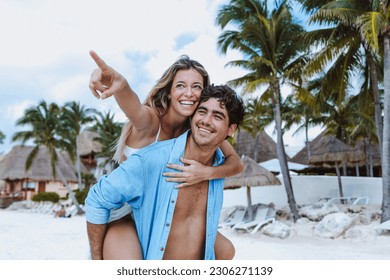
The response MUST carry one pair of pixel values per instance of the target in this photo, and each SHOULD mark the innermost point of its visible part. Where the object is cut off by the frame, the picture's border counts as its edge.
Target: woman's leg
(121, 241)
(224, 249)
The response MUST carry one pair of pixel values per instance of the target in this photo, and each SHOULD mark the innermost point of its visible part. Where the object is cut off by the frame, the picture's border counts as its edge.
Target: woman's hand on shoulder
(190, 174)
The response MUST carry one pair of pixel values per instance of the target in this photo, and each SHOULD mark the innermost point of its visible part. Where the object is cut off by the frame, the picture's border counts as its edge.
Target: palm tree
(273, 54)
(109, 132)
(46, 130)
(74, 117)
(371, 19)
(363, 128)
(344, 48)
(257, 117)
(304, 111)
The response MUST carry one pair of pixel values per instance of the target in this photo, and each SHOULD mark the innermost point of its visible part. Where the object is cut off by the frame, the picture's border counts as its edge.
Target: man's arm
(124, 184)
(96, 234)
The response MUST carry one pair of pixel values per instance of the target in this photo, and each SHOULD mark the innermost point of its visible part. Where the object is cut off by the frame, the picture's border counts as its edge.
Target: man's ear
(232, 129)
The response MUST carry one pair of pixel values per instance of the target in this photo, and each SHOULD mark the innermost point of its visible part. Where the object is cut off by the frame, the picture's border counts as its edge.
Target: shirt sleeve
(125, 184)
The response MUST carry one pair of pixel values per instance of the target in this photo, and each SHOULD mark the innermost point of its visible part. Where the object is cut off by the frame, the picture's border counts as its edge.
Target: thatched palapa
(253, 175)
(12, 167)
(86, 143)
(332, 150)
(266, 147)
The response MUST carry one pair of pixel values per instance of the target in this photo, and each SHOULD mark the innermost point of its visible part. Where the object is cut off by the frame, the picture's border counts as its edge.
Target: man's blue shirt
(139, 182)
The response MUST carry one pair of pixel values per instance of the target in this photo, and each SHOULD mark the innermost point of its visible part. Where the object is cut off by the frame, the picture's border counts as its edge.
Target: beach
(35, 236)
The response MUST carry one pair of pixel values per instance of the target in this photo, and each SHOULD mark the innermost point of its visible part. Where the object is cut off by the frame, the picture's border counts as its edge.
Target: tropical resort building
(362, 160)
(20, 184)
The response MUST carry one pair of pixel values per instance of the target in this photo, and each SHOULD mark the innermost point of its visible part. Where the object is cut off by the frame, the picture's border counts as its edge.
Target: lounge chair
(71, 211)
(360, 200)
(383, 227)
(264, 215)
(347, 200)
(236, 217)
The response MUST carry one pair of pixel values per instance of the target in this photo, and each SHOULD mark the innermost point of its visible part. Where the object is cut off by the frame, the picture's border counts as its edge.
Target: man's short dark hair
(228, 98)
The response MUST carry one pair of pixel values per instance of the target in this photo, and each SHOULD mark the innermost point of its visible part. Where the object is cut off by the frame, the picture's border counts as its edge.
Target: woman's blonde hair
(158, 97)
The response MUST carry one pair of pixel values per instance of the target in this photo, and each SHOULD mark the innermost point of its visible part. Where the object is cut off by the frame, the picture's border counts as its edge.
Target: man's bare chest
(192, 200)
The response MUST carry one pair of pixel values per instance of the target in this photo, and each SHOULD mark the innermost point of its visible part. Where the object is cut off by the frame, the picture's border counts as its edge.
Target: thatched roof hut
(88, 148)
(332, 150)
(302, 156)
(266, 149)
(317, 144)
(86, 143)
(371, 151)
(12, 167)
(253, 175)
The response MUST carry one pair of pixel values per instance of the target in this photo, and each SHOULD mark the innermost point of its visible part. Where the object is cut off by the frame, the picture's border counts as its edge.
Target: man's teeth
(204, 130)
(187, 102)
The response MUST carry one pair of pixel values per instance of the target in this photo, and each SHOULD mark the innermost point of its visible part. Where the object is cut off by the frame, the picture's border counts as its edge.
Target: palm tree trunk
(307, 142)
(341, 193)
(386, 132)
(256, 147)
(78, 167)
(375, 92)
(282, 155)
(249, 198)
(370, 161)
(344, 168)
(71, 193)
(357, 170)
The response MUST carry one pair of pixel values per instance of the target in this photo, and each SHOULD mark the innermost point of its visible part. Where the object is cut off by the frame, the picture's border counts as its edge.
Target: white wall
(308, 189)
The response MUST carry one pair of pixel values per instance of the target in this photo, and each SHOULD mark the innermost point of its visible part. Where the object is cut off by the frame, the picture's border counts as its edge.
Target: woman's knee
(224, 248)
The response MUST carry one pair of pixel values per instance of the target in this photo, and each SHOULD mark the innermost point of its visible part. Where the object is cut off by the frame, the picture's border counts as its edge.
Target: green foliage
(109, 131)
(88, 179)
(81, 195)
(2, 137)
(46, 196)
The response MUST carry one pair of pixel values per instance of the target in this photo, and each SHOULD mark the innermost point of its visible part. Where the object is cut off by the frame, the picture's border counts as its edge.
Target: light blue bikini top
(128, 151)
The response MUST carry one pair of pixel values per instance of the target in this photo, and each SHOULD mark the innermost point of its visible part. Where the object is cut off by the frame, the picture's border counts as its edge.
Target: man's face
(210, 124)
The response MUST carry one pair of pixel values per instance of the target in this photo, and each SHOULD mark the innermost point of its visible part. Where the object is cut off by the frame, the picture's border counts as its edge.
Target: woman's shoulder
(142, 135)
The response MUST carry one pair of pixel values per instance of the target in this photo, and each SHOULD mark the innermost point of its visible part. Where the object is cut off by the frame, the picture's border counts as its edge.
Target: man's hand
(192, 173)
(105, 81)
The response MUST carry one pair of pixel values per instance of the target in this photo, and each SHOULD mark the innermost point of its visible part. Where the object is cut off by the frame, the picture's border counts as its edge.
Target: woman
(164, 115)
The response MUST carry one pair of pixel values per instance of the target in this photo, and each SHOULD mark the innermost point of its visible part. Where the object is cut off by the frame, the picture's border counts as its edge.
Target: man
(171, 223)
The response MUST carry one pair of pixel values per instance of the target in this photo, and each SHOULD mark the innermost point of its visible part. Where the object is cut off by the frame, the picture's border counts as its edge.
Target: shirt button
(162, 249)
(172, 201)
(167, 224)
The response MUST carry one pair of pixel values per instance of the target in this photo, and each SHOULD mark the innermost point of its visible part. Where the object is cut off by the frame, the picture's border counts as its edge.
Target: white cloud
(45, 46)
(13, 112)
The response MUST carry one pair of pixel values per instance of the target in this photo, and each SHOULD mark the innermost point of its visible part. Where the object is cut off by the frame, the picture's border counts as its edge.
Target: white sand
(34, 236)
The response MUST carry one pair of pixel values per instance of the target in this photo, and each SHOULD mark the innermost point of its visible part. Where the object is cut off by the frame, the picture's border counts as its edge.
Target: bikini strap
(158, 133)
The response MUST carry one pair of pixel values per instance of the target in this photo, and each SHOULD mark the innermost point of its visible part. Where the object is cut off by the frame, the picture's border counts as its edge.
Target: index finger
(100, 62)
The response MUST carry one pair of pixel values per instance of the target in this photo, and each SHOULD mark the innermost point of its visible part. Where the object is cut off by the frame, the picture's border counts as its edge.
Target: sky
(45, 45)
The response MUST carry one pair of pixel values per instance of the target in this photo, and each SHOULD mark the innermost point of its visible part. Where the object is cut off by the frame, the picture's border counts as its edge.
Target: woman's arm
(194, 172)
(106, 81)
